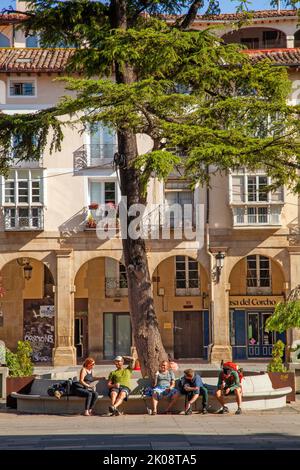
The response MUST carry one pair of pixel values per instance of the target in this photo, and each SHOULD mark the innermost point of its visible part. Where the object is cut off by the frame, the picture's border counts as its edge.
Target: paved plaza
(270, 430)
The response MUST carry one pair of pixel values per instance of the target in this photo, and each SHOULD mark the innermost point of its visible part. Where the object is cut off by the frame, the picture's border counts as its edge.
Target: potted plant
(278, 373)
(20, 368)
(91, 222)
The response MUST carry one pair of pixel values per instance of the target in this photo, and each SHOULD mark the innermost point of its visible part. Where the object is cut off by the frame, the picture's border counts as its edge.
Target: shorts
(120, 389)
(164, 392)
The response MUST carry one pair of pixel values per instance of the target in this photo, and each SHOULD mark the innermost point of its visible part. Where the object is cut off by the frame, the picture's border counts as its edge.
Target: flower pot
(17, 384)
(93, 206)
(284, 379)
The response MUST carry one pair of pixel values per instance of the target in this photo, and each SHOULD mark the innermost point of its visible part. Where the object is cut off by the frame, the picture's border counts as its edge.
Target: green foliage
(286, 315)
(220, 121)
(276, 364)
(19, 363)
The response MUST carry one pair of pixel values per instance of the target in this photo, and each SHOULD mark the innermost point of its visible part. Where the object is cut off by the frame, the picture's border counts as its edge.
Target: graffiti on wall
(39, 329)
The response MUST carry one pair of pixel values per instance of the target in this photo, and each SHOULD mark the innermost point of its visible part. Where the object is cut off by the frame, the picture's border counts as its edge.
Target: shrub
(19, 363)
(276, 364)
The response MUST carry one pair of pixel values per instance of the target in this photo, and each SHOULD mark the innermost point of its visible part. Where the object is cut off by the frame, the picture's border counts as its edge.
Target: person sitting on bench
(119, 383)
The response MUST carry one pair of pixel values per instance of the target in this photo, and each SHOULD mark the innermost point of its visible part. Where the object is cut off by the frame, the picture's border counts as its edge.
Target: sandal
(154, 413)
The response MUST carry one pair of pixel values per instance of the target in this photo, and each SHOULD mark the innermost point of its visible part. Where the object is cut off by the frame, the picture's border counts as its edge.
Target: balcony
(94, 156)
(23, 218)
(28, 164)
(257, 38)
(265, 215)
(101, 216)
(115, 287)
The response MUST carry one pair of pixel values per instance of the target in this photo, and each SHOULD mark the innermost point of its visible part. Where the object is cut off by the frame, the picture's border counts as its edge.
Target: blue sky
(227, 5)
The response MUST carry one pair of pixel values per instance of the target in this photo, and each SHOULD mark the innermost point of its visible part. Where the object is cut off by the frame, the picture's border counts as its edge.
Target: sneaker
(117, 412)
(188, 411)
(204, 411)
(223, 410)
(111, 409)
(238, 411)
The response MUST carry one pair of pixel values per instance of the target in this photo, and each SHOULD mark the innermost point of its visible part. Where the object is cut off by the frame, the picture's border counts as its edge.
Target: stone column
(64, 353)
(219, 291)
(290, 42)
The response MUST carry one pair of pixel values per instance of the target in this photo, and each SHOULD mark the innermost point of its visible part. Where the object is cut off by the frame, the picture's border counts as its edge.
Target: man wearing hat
(119, 383)
(229, 383)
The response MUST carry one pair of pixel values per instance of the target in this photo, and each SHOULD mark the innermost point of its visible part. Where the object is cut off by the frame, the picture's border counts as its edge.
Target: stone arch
(157, 258)
(47, 259)
(239, 270)
(256, 37)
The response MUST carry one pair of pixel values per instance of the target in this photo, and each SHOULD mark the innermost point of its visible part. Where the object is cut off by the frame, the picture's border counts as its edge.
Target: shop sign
(255, 301)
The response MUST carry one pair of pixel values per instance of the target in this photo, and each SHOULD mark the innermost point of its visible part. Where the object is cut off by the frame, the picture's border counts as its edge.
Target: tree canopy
(191, 91)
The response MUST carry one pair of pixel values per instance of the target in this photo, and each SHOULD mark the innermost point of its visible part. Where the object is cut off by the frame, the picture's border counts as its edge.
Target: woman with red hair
(84, 388)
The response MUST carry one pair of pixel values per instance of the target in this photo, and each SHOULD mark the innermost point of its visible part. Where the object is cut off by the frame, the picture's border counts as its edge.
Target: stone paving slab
(251, 430)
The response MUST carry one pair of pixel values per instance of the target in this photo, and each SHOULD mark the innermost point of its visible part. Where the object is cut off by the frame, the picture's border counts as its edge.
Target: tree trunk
(143, 318)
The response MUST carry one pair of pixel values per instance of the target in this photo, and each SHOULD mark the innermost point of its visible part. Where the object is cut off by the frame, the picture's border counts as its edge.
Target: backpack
(61, 389)
(233, 366)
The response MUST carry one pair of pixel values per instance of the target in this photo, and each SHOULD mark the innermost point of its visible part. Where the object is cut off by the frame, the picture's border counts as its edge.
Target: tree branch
(191, 14)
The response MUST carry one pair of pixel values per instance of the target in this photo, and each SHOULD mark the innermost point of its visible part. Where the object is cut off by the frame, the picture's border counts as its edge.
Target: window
(251, 202)
(179, 203)
(103, 192)
(187, 276)
(250, 43)
(258, 274)
(102, 143)
(115, 279)
(22, 88)
(22, 200)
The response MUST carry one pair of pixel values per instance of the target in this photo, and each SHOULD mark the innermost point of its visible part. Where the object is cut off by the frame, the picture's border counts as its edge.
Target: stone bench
(258, 394)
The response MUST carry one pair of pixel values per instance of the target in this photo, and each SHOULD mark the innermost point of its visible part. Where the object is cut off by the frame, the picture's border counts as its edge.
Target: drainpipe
(211, 264)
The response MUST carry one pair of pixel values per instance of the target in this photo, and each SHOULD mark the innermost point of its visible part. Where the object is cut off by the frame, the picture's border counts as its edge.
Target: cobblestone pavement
(273, 429)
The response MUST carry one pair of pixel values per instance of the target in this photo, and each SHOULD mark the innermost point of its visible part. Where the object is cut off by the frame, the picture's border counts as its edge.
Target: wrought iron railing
(23, 218)
(88, 156)
(116, 287)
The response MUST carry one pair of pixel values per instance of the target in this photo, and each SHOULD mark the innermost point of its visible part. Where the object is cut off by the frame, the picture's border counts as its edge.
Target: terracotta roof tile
(288, 57)
(12, 17)
(259, 14)
(34, 60)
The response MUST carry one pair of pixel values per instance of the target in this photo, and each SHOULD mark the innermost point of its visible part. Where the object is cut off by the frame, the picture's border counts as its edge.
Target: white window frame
(245, 204)
(17, 205)
(115, 291)
(259, 289)
(187, 291)
(12, 80)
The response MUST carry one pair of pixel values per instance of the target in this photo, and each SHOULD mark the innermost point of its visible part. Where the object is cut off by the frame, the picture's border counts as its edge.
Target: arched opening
(297, 38)
(257, 38)
(102, 326)
(180, 288)
(4, 41)
(27, 307)
(256, 286)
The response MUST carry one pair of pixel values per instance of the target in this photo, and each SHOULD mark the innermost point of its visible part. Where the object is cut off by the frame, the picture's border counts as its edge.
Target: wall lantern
(219, 257)
(27, 268)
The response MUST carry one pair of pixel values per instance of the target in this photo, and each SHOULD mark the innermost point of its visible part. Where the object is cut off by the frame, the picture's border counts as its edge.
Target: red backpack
(233, 366)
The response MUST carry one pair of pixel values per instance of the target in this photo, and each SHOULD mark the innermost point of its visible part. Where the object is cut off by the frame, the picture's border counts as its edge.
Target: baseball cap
(118, 358)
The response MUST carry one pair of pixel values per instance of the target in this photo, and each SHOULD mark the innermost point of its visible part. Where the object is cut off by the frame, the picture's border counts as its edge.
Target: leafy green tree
(135, 64)
(20, 363)
(276, 364)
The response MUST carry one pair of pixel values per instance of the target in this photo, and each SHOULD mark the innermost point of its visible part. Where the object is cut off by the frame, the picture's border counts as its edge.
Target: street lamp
(220, 256)
(27, 268)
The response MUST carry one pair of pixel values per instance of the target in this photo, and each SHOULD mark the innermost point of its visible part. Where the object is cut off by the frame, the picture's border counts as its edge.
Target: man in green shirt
(119, 383)
(229, 383)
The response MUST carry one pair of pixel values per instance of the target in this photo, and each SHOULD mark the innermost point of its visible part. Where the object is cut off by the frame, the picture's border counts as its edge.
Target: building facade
(64, 289)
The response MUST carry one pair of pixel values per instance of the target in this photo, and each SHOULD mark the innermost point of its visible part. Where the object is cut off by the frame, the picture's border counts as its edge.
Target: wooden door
(188, 335)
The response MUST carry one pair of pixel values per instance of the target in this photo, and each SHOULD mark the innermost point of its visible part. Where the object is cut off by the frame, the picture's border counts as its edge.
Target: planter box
(284, 379)
(17, 384)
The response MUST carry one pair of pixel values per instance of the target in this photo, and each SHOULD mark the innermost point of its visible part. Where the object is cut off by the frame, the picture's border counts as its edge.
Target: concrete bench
(258, 394)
